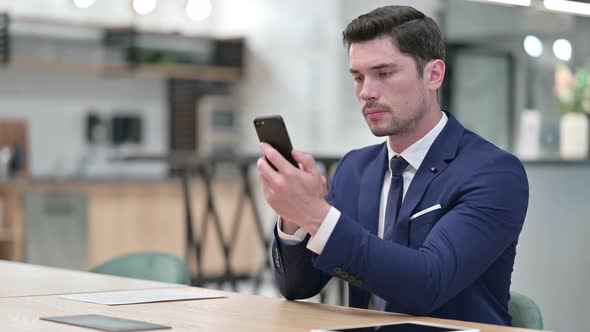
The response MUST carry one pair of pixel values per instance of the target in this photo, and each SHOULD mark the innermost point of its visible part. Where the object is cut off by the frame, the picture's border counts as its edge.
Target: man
(426, 223)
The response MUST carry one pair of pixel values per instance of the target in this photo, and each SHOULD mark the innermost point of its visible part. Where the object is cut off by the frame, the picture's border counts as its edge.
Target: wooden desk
(19, 279)
(237, 312)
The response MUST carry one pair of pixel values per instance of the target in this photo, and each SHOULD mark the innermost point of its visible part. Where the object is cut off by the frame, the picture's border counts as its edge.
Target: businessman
(426, 223)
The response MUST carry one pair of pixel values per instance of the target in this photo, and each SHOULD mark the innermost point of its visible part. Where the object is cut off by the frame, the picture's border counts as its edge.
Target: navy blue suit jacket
(454, 262)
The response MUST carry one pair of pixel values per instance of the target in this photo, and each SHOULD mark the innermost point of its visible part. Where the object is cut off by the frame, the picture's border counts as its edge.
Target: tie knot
(397, 164)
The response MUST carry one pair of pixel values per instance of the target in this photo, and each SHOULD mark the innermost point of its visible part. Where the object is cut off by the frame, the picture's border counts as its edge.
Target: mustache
(374, 104)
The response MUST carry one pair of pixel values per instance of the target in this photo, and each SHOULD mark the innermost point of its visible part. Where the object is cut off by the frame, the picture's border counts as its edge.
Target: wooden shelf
(119, 50)
(206, 73)
(69, 66)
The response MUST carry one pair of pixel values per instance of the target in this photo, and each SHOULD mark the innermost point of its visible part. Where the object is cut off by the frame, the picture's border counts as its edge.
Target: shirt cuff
(318, 241)
(290, 239)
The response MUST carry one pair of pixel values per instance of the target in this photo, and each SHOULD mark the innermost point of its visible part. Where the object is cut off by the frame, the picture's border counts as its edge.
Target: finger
(266, 186)
(267, 189)
(307, 161)
(275, 157)
(266, 171)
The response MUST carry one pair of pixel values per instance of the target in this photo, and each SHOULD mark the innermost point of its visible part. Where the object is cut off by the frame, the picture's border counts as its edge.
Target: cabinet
(121, 217)
(11, 225)
(56, 229)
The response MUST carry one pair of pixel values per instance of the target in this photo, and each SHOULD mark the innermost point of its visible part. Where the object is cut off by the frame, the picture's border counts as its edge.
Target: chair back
(524, 311)
(154, 266)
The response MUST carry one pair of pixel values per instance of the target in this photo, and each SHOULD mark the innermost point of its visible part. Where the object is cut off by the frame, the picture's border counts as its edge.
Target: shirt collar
(416, 152)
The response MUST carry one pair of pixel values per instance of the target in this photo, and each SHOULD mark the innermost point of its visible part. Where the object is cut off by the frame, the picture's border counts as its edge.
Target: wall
(55, 105)
(290, 65)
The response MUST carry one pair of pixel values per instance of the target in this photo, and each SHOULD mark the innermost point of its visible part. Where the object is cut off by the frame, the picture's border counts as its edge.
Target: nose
(368, 91)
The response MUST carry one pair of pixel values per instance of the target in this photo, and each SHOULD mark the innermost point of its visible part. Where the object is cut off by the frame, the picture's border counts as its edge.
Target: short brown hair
(414, 33)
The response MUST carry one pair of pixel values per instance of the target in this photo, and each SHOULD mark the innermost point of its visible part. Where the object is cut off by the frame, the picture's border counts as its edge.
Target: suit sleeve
(487, 217)
(294, 271)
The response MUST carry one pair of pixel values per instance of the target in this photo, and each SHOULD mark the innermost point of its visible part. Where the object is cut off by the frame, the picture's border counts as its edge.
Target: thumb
(307, 161)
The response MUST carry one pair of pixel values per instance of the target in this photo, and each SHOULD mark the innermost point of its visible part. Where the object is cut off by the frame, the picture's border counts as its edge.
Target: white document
(143, 296)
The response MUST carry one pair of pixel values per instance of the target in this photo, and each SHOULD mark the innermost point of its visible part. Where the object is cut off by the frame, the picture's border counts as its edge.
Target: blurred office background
(126, 126)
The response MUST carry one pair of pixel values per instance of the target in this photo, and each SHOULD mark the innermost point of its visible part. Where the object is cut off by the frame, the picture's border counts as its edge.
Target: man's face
(387, 86)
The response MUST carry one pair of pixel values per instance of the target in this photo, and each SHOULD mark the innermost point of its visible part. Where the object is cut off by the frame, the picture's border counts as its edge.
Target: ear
(434, 74)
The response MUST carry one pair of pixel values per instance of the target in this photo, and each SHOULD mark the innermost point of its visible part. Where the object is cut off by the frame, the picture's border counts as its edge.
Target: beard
(400, 121)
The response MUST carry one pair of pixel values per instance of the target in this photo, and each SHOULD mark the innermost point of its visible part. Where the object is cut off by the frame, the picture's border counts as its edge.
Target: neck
(430, 119)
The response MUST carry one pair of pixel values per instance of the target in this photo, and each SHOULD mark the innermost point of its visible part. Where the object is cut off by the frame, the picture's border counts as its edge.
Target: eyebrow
(375, 67)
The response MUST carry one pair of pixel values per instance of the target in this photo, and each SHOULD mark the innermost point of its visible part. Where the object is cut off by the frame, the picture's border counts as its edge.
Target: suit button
(337, 271)
(358, 283)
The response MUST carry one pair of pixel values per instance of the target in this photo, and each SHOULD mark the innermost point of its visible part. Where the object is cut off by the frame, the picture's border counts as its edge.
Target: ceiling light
(562, 49)
(83, 3)
(573, 7)
(533, 46)
(198, 10)
(144, 7)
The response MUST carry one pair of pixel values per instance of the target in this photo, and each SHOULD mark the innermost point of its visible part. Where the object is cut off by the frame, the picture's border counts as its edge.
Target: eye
(357, 78)
(385, 74)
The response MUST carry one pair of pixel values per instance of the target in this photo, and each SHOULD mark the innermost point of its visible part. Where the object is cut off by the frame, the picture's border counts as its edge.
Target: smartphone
(409, 326)
(272, 130)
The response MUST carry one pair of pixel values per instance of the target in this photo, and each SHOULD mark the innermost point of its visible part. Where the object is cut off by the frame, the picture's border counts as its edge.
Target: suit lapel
(442, 151)
(370, 191)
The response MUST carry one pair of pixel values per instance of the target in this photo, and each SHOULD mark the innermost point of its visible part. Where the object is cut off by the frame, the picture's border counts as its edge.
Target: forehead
(369, 53)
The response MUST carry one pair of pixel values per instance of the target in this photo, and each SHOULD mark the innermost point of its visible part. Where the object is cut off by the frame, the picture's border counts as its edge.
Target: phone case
(272, 130)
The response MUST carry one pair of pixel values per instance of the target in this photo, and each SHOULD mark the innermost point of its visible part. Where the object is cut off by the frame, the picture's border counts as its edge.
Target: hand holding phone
(301, 203)
(272, 130)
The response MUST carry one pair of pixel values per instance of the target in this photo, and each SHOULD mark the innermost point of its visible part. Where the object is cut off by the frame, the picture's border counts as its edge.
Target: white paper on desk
(143, 296)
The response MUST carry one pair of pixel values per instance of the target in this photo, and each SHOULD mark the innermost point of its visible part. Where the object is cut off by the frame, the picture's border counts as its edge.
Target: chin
(388, 131)
(379, 132)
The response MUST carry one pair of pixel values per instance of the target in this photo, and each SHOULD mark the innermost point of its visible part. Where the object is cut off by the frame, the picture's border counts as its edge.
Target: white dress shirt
(414, 155)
